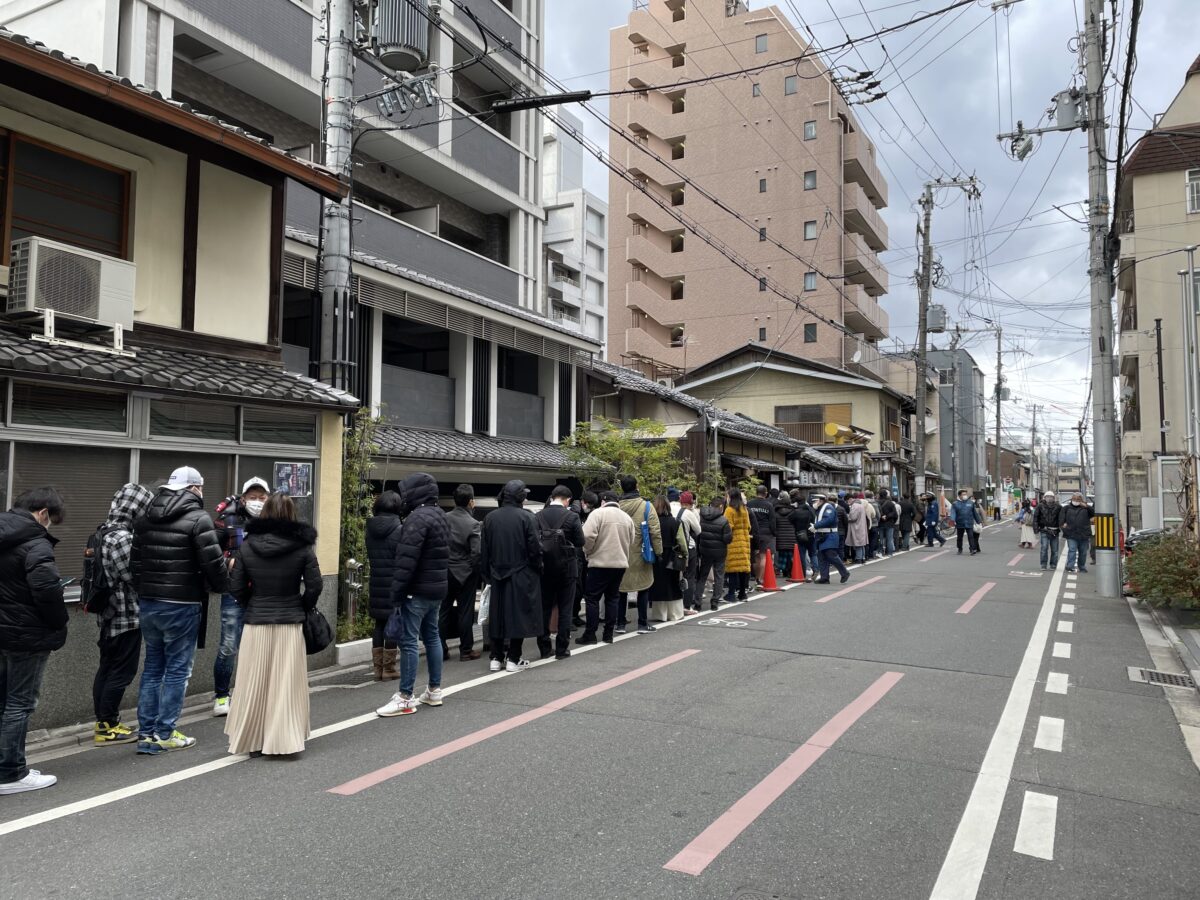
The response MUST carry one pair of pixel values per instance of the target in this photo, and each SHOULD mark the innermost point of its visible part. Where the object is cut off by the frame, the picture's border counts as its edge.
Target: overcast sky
(1036, 256)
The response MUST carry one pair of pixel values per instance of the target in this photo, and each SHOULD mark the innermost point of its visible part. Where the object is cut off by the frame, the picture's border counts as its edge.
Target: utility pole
(924, 289)
(1034, 481)
(1104, 425)
(1162, 410)
(999, 397)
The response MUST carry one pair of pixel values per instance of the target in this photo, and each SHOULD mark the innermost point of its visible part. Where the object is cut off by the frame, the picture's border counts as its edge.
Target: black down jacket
(423, 551)
(785, 531)
(32, 613)
(176, 555)
(383, 536)
(715, 534)
(274, 559)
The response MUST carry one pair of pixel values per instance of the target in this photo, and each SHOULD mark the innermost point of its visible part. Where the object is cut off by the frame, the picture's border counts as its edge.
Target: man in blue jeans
(418, 587)
(232, 516)
(1047, 520)
(176, 562)
(1076, 519)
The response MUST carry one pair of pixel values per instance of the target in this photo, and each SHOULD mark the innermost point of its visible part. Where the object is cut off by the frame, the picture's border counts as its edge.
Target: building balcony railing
(864, 358)
(809, 432)
(863, 314)
(862, 266)
(663, 263)
(653, 114)
(643, 71)
(565, 317)
(639, 206)
(280, 27)
(860, 166)
(640, 162)
(642, 344)
(639, 295)
(863, 218)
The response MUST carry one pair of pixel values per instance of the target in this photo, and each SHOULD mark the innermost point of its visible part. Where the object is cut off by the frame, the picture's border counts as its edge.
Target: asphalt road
(921, 735)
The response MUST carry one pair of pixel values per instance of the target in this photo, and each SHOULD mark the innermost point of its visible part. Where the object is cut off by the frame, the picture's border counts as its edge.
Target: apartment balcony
(863, 218)
(654, 115)
(642, 344)
(487, 152)
(565, 317)
(640, 206)
(860, 166)
(639, 162)
(664, 310)
(282, 28)
(863, 267)
(563, 288)
(643, 71)
(863, 314)
(863, 358)
(663, 263)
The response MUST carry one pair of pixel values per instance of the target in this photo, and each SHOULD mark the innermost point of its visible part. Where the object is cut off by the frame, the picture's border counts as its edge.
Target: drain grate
(1155, 676)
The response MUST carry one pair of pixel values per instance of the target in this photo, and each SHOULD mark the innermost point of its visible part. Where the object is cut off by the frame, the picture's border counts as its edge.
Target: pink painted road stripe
(975, 598)
(696, 856)
(415, 762)
(922, 559)
(854, 587)
(1016, 559)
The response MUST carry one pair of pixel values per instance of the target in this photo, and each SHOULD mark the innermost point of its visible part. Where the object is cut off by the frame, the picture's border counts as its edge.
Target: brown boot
(390, 672)
(377, 662)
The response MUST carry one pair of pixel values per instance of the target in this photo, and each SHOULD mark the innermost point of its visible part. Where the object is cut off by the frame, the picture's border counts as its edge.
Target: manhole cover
(1154, 676)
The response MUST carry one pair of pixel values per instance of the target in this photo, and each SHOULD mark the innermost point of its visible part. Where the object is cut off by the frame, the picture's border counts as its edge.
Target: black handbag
(317, 632)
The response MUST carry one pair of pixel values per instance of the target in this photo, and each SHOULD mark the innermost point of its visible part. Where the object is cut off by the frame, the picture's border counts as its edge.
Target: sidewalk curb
(1187, 658)
(1165, 656)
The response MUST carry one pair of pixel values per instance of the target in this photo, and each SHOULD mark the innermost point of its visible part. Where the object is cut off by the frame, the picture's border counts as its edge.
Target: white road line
(1066, 626)
(1068, 595)
(1068, 609)
(1049, 734)
(962, 870)
(1035, 834)
(1061, 650)
(1056, 683)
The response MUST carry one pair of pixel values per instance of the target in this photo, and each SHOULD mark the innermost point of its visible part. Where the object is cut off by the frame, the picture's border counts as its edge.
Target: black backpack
(558, 553)
(95, 591)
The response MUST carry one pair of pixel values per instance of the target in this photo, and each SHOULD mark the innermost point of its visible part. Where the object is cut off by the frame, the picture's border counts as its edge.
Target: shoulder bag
(647, 544)
(317, 633)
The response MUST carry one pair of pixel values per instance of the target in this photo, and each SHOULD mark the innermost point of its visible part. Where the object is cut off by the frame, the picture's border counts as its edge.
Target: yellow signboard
(1106, 531)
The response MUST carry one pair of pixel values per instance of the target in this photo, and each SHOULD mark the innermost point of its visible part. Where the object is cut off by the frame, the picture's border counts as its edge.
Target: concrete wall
(83, 28)
(417, 399)
(520, 415)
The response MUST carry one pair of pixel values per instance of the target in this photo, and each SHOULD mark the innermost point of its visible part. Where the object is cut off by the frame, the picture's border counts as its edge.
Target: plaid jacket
(128, 504)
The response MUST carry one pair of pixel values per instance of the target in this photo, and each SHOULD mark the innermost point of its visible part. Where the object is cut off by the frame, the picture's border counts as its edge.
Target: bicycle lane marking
(710, 843)
(847, 590)
(975, 598)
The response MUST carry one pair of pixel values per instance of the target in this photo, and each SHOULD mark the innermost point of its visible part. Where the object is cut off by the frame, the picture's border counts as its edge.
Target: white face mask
(255, 507)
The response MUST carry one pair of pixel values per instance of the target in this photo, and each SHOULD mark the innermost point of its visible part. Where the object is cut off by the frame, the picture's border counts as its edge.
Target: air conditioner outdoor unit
(74, 284)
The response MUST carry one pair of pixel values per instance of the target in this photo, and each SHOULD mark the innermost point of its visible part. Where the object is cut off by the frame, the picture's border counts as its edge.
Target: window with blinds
(263, 426)
(86, 477)
(193, 419)
(52, 407)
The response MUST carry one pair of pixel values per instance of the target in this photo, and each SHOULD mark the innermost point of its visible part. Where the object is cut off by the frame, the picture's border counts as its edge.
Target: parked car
(1140, 536)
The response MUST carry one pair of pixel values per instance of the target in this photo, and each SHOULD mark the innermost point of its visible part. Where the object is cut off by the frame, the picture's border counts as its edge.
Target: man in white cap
(1047, 521)
(176, 562)
(232, 515)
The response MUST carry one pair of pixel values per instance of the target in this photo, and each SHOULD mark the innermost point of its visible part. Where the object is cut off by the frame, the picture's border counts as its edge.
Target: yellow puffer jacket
(737, 559)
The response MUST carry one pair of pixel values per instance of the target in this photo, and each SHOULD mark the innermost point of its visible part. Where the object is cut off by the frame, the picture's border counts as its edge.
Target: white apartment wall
(87, 29)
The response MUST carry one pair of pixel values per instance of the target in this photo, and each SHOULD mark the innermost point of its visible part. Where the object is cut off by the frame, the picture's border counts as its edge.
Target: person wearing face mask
(1076, 521)
(233, 515)
(966, 515)
(33, 622)
(177, 561)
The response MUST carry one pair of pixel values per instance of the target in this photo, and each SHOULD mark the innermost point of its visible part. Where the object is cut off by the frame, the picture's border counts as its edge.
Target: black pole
(1162, 414)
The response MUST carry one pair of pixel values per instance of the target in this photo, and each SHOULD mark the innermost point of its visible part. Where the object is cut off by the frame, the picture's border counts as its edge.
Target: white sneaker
(495, 665)
(399, 705)
(221, 706)
(34, 781)
(517, 666)
(431, 697)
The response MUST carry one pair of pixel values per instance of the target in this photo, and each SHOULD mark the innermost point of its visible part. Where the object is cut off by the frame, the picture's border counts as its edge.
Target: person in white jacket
(608, 534)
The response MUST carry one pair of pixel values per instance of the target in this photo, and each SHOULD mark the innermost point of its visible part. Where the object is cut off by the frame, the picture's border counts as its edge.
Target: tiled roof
(384, 265)
(454, 446)
(824, 460)
(1165, 152)
(758, 465)
(733, 424)
(168, 371)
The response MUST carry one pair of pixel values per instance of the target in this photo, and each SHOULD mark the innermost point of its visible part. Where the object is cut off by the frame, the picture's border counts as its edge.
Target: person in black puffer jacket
(33, 622)
(802, 519)
(383, 536)
(176, 561)
(785, 534)
(418, 588)
(716, 535)
(269, 712)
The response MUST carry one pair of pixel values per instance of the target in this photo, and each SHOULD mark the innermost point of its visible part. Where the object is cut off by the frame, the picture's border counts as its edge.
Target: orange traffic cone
(797, 565)
(769, 583)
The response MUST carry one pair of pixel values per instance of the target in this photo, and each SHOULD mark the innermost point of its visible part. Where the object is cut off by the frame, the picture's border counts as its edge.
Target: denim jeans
(233, 617)
(169, 632)
(808, 559)
(1077, 546)
(20, 680)
(887, 539)
(1050, 547)
(420, 622)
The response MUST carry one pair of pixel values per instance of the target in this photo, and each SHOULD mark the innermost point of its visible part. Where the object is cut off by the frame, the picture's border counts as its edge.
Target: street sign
(1106, 531)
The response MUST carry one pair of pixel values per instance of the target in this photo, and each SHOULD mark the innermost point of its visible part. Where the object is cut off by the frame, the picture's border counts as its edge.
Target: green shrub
(1166, 572)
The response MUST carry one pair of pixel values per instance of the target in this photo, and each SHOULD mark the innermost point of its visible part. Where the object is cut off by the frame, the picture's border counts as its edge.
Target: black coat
(1047, 517)
(383, 535)
(908, 512)
(554, 517)
(800, 518)
(176, 555)
(1076, 522)
(715, 534)
(32, 613)
(511, 562)
(666, 585)
(762, 515)
(889, 512)
(274, 559)
(785, 531)
(423, 549)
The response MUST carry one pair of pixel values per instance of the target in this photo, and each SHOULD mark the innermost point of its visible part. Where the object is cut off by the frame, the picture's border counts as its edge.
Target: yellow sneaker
(116, 733)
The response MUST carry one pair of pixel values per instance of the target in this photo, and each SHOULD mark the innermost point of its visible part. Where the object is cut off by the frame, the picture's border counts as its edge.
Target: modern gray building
(962, 411)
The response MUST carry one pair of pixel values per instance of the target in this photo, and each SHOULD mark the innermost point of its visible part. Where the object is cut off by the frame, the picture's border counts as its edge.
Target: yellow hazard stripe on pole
(1106, 531)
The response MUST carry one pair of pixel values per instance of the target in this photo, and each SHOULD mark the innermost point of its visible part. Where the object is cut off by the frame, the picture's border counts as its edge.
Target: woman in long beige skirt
(276, 578)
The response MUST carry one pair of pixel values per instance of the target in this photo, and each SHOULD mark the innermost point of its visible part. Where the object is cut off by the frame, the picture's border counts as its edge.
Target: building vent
(74, 283)
(401, 34)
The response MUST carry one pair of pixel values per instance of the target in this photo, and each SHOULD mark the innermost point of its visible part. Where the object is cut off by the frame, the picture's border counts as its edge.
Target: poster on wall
(293, 478)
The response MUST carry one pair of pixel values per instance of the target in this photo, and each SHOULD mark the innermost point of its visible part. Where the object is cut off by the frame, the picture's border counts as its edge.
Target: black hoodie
(271, 563)
(423, 551)
(383, 536)
(176, 556)
(32, 613)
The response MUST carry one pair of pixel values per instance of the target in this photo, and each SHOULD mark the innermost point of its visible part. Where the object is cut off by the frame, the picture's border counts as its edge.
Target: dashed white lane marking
(1068, 609)
(1068, 596)
(1049, 734)
(1061, 650)
(1035, 833)
(1066, 626)
(1056, 683)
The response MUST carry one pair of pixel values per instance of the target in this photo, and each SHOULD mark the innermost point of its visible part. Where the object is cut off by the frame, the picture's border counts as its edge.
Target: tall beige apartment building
(782, 148)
